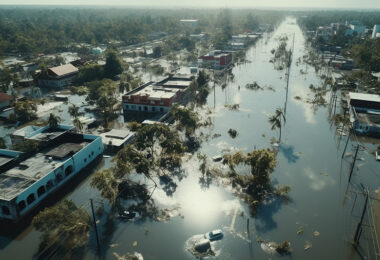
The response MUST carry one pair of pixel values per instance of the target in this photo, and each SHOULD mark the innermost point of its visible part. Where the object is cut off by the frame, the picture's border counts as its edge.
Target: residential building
(157, 97)
(58, 77)
(215, 59)
(355, 28)
(323, 32)
(41, 134)
(27, 179)
(189, 22)
(364, 113)
(376, 31)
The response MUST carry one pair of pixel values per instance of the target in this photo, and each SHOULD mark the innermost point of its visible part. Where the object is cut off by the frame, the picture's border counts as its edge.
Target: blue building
(27, 179)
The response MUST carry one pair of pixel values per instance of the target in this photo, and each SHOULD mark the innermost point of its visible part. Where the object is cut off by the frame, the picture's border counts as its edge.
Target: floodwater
(309, 161)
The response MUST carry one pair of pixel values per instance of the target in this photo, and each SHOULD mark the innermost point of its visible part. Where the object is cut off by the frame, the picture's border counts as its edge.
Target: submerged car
(214, 235)
(127, 214)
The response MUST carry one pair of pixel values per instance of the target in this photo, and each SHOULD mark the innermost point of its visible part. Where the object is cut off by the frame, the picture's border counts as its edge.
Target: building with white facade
(189, 22)
(27, 179)
(376, 31)
(156, 97)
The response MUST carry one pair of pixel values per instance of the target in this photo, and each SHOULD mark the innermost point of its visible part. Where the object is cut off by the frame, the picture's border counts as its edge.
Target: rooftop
(156, 92)
(364, 97)
(5, 97)
(116, 137)
(177, 83)
(28, 171)
(63, 70)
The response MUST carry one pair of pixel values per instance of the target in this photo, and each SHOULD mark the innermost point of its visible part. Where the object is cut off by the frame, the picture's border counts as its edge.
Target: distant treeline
(29, 30)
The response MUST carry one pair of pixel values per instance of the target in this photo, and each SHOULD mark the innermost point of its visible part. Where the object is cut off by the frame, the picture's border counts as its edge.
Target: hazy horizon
(322, 4)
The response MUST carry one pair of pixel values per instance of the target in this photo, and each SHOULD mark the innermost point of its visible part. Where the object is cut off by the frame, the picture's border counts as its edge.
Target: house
(27, 179)
(117, 138)
(150, 98)
(157, 97)
(215, 59)
(376, 31)
(189, 22)
(364, 113)
(58, 77)
(323, 32)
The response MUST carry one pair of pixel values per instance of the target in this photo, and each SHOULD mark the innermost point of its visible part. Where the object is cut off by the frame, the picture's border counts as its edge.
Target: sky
(346, 4)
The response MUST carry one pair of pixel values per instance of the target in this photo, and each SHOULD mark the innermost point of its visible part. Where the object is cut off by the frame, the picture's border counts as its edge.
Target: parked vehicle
(216, 234)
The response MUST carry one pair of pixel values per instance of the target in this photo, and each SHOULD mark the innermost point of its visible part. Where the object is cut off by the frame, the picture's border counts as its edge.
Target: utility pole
(359, 227)
(96, 229)
(353, 163)
(345, 147)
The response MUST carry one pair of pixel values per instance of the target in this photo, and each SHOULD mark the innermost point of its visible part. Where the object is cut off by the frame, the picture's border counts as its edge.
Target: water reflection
(318, 181)
(288, 152)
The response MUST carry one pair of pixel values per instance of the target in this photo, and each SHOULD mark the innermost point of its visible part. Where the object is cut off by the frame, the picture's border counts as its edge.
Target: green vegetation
(105, 96)
(367, 54)
(64, 226)
(54, 121)
(156, 152)
(25, 111)
(74, 113)
(27, 146)
(232, 132)
(256, 187)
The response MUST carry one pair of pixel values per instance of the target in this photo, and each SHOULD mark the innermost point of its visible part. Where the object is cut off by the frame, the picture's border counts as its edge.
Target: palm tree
(78, 124)
(74, 111)
(276, 120)
(54, 120)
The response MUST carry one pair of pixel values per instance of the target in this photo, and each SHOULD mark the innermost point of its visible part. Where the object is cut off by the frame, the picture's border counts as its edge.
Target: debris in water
(348, 155)
(307, 246)
(300, 231)
(134, 244)
(114, 245)
(316, 233)
(324, 174)
(362, 159)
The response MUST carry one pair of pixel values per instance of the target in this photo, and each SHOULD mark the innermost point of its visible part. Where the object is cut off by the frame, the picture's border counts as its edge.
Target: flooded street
(309, 161)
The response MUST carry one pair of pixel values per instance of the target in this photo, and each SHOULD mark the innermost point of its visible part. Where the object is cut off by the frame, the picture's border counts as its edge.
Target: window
(49, 185)
(21, 205)
(30, 199)
(126, 106)
(5, 210)
(92, 153)
(161, 109)
(145, 108)
(139, 108)
(153, 109)
(40, 191)
(69, 170)
(89, 156)
(85, 160)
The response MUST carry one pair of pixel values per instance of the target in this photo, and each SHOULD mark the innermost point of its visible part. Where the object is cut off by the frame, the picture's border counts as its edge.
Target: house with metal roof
(58, 77)
(364, 113)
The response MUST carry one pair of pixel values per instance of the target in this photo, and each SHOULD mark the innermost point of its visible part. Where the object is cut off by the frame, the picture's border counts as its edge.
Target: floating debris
(232, 132)
(307, 246)
(233, 107)
(316, 233)
(114, 245)
(300, 231)
(134, 244)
